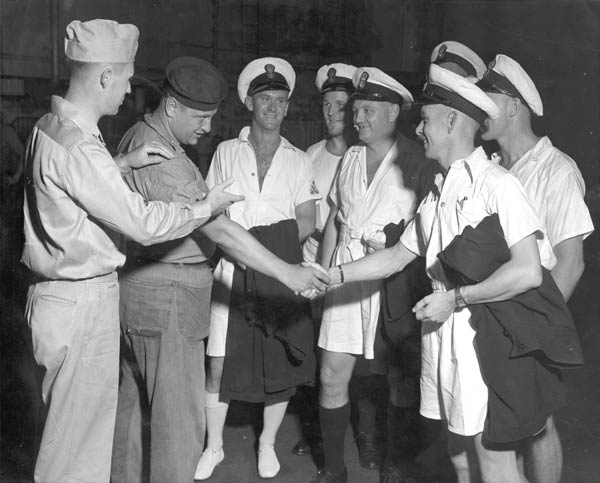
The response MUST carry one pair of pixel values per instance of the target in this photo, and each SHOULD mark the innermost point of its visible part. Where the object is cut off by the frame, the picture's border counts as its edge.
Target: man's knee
(336, 370)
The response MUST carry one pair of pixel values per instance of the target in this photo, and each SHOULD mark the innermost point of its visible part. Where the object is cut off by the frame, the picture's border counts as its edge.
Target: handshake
(310, 279)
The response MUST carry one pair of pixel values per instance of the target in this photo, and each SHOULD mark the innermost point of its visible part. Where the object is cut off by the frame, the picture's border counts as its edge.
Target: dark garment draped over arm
(270, 338)
(522, 343)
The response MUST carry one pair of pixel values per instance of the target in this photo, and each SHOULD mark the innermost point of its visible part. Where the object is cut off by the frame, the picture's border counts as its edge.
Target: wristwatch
(459, 300)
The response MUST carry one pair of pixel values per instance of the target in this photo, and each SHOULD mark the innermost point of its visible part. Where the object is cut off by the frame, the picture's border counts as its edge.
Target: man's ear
(451, 121)
(105, 77)
(514, 107)
(394, 112)
(249, 103)
(170, 107)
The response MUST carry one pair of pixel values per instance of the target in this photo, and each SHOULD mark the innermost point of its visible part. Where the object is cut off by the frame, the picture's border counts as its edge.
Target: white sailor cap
(335, 77)
(266, 74)
(506, 76)
(459, 54)
(460, 93)
(373, 84)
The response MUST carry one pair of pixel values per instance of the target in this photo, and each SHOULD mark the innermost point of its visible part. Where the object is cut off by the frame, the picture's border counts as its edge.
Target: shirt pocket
(469, 212)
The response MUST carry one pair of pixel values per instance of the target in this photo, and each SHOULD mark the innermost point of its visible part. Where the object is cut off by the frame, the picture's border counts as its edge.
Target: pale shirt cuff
(201, 210)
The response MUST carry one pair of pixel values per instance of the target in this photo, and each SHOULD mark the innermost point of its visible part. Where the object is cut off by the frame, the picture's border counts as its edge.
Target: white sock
(216, 413)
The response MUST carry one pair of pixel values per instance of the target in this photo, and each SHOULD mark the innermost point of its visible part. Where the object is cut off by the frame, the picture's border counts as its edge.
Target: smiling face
(334, 105)
(268, 108)
(373, 120)
(433, 130)
(189, 125)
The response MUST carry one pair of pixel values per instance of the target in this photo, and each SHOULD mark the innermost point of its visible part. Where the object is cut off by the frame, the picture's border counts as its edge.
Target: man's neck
(376, 151)
(336, 145)
(514, 144)
(264, 139)
(160, 118)
(85, 102)
(456, 152)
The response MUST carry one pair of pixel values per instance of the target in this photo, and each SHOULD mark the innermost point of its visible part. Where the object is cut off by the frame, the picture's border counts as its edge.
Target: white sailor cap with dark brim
(506, 76)
(373, 84)
(101, 40)
(457, 92)
(459, 54)
(335, 77)
(266, 74)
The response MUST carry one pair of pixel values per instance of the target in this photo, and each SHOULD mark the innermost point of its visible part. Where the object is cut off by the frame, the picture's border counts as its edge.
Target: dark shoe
(370, 454)
(326, 477)
(302, 447)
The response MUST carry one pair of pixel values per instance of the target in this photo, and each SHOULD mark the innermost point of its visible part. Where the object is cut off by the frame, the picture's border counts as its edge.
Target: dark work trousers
(165, 313)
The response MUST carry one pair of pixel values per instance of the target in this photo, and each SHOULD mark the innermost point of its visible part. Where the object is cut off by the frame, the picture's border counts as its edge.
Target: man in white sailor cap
(76, 205)
(377, 184)
(334, 82)
(452, 387)
(556, 188)
(254, 361)
(458, 58)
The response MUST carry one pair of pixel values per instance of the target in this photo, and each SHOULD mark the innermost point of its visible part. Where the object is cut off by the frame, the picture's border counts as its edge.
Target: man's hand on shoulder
(144, 155)
(219, 199)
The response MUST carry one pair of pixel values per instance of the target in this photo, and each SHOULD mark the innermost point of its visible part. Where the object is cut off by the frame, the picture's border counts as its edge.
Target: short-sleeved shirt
(288, 183)
(451, 384)
(76, 202)
(324, 165)
(175, 179)
(556, 188)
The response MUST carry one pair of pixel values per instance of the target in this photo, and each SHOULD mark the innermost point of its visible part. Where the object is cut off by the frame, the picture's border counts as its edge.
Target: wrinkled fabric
(521, 342)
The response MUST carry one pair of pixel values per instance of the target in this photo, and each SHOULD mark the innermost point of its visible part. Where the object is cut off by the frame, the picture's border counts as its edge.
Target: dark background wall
(558, 43)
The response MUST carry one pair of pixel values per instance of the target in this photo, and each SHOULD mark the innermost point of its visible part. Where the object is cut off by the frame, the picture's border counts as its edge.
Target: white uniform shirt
(451, 384)
(351, 309)
(288, 183)
(556, 188)
(324, 166)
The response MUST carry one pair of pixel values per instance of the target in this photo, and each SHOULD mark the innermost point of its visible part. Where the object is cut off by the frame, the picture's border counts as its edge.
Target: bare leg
(497, 465)
(464, 458)
(543, 455)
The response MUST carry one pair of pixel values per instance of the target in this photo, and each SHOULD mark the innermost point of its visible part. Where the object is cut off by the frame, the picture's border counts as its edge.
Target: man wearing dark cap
(556, 188)
(378, 183)
(76, 205)
(452, 386)
(261, 343)
(165, 290)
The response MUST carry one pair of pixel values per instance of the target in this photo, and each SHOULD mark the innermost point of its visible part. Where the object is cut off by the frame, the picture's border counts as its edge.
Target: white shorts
(452, 387)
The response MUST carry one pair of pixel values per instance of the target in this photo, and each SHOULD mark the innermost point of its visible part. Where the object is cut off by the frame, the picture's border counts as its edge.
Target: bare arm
(521, 273)
(376, 266)
(306, 216)
(242, 246)
(330, 238)
(569, 266)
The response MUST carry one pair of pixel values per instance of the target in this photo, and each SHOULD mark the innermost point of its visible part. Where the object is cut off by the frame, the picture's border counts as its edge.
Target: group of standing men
(260, 204)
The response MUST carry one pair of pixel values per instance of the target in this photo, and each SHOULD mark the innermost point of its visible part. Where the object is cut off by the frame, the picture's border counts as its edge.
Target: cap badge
(441, 52)
(331, 73)
(363, 80)
(270, 70)
(490, 66)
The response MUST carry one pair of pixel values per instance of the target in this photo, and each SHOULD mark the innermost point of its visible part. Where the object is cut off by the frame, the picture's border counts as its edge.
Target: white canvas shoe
(268, 464)
(208, 462)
